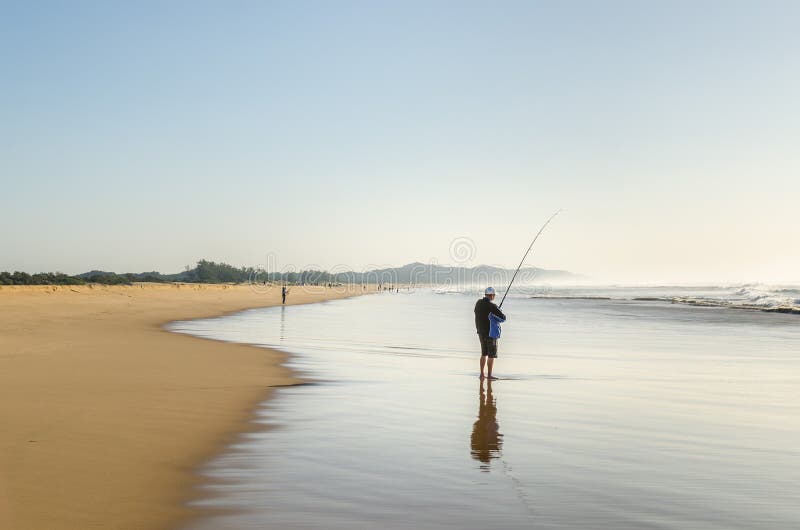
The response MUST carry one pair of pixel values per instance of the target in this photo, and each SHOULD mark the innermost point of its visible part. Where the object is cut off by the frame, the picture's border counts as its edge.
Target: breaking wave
(777, 299)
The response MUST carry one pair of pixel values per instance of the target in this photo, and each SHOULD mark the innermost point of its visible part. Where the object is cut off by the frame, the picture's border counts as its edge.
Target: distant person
(487, 323)
(284, 292)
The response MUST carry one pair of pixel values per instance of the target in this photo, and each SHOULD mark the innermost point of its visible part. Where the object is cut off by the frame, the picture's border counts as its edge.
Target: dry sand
(104, 416)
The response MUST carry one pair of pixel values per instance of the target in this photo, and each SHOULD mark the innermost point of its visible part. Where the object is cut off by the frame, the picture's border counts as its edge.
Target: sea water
(611, 412)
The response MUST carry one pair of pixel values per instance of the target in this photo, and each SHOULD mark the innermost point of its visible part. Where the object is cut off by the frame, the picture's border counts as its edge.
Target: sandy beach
(106, 415)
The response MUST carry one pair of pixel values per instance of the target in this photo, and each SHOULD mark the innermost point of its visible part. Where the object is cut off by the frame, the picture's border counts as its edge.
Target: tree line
(205, 271)
(59, 278)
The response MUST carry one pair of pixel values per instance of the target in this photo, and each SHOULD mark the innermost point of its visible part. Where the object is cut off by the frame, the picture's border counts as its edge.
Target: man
(483, 308)
(284, 291)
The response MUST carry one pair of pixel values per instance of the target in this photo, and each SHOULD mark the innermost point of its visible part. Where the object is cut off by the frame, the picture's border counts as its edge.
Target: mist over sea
(618, 408)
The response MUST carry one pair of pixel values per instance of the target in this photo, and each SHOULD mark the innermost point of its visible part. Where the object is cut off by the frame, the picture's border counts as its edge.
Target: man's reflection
(283, 322)
(486, 439)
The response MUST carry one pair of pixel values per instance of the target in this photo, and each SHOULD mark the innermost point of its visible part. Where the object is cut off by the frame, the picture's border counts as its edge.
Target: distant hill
(211, 272)
(421, 273)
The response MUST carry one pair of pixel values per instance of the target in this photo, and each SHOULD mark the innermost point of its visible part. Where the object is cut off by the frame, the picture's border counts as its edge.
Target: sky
(138, 136)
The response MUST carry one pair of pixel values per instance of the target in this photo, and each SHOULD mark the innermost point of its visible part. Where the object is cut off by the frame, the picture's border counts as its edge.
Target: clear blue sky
(139, 136)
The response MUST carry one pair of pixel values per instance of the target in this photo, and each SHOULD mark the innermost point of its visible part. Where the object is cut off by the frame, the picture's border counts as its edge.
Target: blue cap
(488, 291)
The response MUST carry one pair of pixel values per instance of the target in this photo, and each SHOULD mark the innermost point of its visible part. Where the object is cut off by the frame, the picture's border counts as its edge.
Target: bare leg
(491, 364)
(483, 363)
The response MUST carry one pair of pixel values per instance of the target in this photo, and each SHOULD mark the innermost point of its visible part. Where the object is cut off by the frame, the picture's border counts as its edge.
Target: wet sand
(608, 415)
(105, 415)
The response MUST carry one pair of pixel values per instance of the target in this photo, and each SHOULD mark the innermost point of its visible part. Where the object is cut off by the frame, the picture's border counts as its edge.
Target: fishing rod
(526, 255)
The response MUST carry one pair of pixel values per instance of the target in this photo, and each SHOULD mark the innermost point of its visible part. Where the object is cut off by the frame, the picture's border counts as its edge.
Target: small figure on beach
(284, 292)
(487, 323)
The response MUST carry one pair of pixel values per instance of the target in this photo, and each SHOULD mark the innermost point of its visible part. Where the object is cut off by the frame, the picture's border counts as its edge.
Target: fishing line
(526, 255)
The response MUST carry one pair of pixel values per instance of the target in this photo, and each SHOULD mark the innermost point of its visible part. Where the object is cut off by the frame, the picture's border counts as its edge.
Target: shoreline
(101, 428)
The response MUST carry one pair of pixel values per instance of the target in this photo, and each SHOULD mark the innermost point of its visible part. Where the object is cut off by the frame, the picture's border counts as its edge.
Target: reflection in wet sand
(283, 323)
(486, 440)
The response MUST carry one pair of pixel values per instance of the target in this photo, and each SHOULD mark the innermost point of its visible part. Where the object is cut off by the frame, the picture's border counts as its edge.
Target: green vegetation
(210, 272)
(59, 278)
(204, 272)
(42, 278)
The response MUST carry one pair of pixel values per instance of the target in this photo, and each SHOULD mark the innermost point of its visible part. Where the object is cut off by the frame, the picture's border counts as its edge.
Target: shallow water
(610, 414)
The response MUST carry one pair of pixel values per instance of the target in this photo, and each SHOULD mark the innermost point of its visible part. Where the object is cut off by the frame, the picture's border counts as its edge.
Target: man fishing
(488, 316)
(487, 322)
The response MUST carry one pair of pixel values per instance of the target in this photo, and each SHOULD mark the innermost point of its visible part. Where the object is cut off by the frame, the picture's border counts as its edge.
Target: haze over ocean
(151, 135)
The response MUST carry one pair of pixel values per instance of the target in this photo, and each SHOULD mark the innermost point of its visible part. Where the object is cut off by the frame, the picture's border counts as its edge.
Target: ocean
(617, 408)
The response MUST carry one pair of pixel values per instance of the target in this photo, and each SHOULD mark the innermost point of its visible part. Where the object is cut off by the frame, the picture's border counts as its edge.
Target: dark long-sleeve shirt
(483, 307)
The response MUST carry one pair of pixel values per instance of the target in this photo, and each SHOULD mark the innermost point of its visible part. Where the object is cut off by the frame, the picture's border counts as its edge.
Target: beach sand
(106, 416)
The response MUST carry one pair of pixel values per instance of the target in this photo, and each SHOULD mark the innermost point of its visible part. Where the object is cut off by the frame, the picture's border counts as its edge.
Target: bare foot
(492, 378)
(483, 376)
